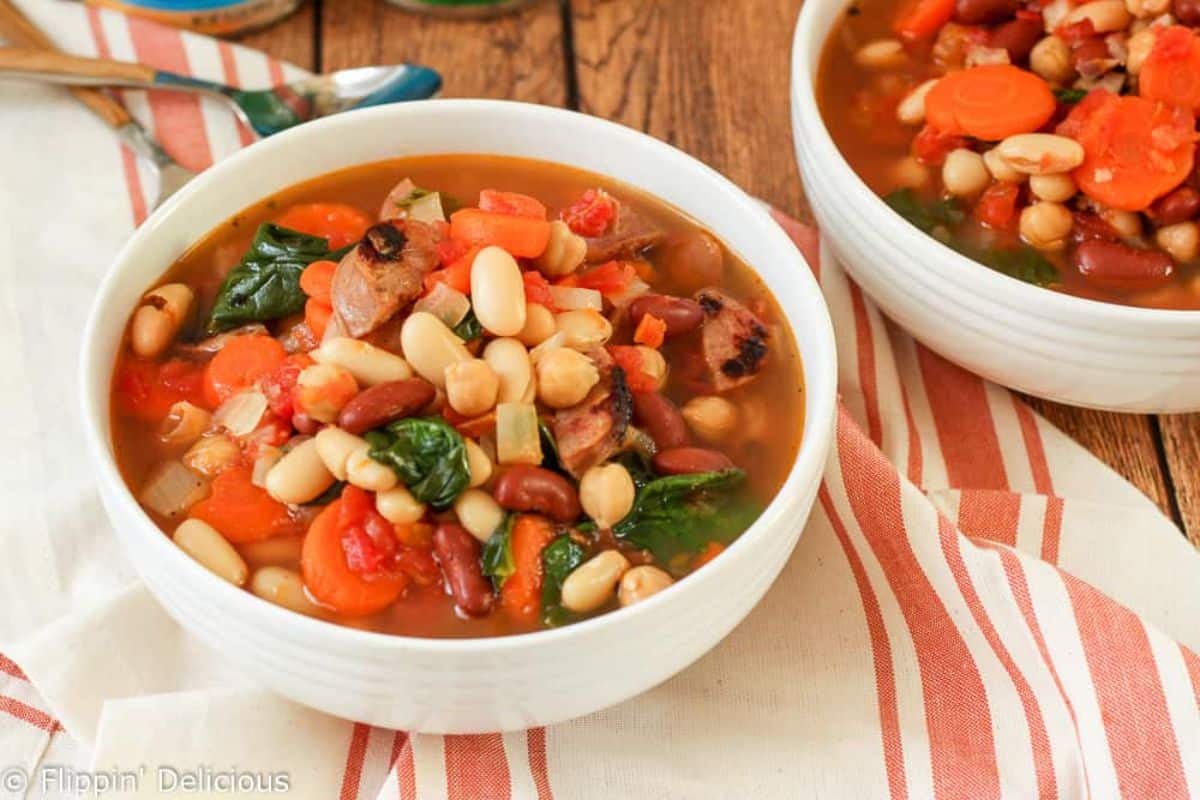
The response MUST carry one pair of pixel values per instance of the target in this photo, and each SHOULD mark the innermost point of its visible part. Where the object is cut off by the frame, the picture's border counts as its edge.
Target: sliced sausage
(631, 234)
(458, 554)
(734, 340)
(588, 433)
(382, 274)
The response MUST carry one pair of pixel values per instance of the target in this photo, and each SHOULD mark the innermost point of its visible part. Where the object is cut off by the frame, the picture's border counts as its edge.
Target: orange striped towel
(977, 608)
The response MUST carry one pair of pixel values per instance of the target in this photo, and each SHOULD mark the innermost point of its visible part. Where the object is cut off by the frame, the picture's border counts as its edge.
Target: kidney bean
(690, 460)
(661, 419)
(525, 488)
(1187, 12)
(1091, 226)
(691, 259)
(1121, 266)
(1018, 37)
(458, 554)
(385, 402)
(1177, 206)
(305, 424)
(680, 314)
(983, 12)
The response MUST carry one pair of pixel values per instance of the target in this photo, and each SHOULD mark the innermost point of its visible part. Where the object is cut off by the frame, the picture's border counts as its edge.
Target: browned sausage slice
(632, 234)
(382, 274)
(733, 340)
(588, 433)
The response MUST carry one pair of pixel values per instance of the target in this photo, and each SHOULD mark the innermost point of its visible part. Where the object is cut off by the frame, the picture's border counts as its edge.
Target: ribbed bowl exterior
(475, 685)
(1045, 343)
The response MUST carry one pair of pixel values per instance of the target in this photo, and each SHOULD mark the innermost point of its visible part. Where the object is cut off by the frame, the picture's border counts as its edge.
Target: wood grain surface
(710, 77)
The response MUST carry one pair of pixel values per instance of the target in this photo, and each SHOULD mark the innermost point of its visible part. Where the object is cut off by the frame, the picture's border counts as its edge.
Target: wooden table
(709, 76)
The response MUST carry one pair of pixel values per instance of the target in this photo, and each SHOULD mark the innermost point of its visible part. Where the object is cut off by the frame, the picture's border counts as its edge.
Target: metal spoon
(266, 111)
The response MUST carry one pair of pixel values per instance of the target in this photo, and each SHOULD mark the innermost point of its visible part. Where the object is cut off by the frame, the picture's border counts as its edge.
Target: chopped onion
(518, 440)
(427, 208)
(241, 413)
(172, 489)
(570, 298)
(636, 288)
(552, 343)
(268, 457)
(446, 303)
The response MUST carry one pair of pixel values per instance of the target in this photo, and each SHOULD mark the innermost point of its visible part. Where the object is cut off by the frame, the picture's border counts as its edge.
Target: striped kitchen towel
(978, 608)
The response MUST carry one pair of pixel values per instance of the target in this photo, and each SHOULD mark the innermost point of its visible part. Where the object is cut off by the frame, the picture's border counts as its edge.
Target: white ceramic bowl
(1045, 343)
(474, 685)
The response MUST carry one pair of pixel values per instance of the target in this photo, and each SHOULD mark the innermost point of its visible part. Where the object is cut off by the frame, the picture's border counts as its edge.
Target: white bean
(202, 542)
(158, 319)
(1056, 188)
(1041, 153)
(606, 493)
(367, 473)
(367, 363)
(509, 359)
(479, 513)
(593, 582)
(881, 54)
(565, 251)
(478, 463)
(1000, 168)
(539, 325)
(1138, 50)
(911, 109)
(430, 347)
(641, 582)
(398, 506)
(335, 446)
(583, 329)
(284, 588)
(1180, 240)
(471, 387)
(1106, 15)
(300, 475)
(711, 417)
(1050, 58)
(498, 292)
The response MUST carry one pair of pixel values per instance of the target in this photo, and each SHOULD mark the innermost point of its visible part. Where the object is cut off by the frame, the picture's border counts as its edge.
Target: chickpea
(711, 417)
(1106, 15)
(654, 365)
(964, 174)
(641, 582)
(881, 54)
(471, 387)
(1126, 223)
(1051, 59)
(1056, 188)
(323, 389)
(1180, 240)
(593, 582)
(564, 377)
(1001, 170)
(539, 325)
(606, 493)
(158, 320)
(479, 513)
(478, 463)
(398, 506)
(583, 329)
(1046, 226)
(509, 359)
(910, 173)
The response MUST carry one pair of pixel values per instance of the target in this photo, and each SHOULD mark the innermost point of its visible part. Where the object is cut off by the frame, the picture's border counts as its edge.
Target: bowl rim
(820, 386)
(809, 126)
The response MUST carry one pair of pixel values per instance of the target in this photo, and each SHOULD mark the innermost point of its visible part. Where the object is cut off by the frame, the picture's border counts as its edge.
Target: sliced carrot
(512, 203)
(710, 552)
(610, 278)
(521, 595)
(651, 331)
(924, 18)
(1171, 73)
(1135, 150)
(457, 275)
(328, 576)
(990, 102)
(340, 223)
(316, 281)
(316, 316)
(241, 511)
(523, 237)
(237, 365)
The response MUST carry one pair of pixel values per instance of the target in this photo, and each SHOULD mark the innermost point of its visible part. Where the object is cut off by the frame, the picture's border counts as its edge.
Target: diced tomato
(512, 203)
(630, 360)
(418, 535)
(368, 539)
(147, 389)
(451, 250)
(592, 213)
(418, 564)
(280, 385)
(610, 278)
(537, 289)
(274, 432)
(340, 223)
(931, 145)
(997, 206)
(1076, 32)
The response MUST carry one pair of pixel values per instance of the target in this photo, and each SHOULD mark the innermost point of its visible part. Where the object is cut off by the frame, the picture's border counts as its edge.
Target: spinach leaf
(549, 445)
(683, 513)
(559, 559)
(427, 454)
(638, 467)
(1021, 262)
(1069, 97)
(266, 284)
(416, 194)
(926, 216)
(469, 328)
(497, 555)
